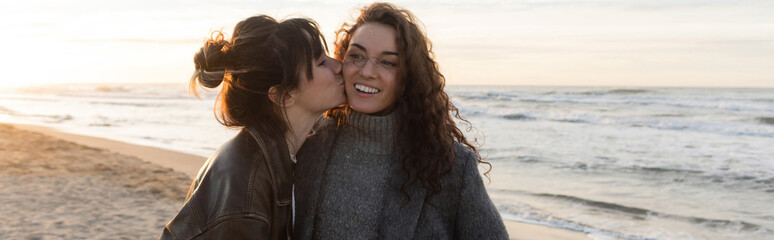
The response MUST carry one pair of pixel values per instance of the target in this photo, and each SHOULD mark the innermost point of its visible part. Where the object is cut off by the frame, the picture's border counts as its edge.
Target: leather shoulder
(220, 189)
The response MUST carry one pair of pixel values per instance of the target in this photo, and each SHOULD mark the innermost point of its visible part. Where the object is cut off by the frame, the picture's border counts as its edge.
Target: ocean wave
(753, 127)
(669, 115)
(661, 120)
(56, 118)
(679, 123)
(39, 117)
(570, 101)
(125, 91)
(650, 170)
(132, 104)
(129, 95)
(627, 91)
(766, 181)
(110, 89)
(6, 111)
(519, 212)
(603, 205)
(28, 98)
(617, 91)
(508, 159)
(642, 213)
(714, 176)
(472, 111)
(628, 97)
(489, 95)
(528, 159)
(518, 116)
(765, 120)
(726, 104)
(503, 96)
(47, 118)
(473, 97)
(571, 120)
(532, 100)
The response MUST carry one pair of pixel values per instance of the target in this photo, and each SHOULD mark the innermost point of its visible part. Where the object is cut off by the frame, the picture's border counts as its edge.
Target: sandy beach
(55, 185)
(56, 189)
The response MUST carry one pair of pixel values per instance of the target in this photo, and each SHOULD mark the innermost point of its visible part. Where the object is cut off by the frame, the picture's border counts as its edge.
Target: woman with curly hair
(392, 164)
(276, 81)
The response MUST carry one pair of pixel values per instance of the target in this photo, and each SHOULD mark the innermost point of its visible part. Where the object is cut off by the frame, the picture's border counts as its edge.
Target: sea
(611, 162)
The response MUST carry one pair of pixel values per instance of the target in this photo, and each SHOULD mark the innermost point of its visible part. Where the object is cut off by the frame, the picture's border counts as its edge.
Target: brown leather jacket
(243, 191)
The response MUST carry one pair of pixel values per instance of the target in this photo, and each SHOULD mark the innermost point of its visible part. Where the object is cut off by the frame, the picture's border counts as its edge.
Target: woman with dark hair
(392, 164)
(276, 81)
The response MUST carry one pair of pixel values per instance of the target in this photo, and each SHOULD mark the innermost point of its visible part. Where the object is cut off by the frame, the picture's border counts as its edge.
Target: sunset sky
(704, 43)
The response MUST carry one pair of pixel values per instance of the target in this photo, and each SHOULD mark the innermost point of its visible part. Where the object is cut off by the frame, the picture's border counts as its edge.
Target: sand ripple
(54, 189)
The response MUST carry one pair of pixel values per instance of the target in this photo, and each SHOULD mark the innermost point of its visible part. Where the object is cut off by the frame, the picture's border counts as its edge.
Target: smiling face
(370, 69)
(324, 91)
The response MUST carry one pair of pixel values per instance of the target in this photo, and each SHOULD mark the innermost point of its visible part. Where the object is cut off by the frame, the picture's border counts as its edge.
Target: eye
(356, 56)
(388, 63)
(321, 63)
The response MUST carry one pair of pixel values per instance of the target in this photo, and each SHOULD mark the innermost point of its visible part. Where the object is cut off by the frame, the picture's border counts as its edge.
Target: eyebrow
(364, 49)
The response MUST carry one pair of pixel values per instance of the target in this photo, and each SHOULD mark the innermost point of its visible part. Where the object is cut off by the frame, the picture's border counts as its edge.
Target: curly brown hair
(427, 130)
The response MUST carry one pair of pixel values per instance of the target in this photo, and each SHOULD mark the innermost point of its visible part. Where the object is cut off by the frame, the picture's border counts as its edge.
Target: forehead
(375, 37)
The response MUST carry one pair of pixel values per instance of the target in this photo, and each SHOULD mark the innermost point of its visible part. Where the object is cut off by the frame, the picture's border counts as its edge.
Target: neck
(300, 123)
(384, 112)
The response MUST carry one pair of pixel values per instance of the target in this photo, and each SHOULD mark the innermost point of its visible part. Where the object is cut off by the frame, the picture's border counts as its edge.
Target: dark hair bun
(211, 61)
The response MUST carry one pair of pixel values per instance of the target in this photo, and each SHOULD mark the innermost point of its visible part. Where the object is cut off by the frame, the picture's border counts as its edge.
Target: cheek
(392, 82)
(326, 77)
(349, 72)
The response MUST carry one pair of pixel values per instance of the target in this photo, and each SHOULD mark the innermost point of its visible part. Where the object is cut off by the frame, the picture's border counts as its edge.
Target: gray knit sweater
(348, 184)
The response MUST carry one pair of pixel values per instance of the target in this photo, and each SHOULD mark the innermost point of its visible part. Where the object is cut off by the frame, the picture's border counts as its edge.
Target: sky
(708, 43)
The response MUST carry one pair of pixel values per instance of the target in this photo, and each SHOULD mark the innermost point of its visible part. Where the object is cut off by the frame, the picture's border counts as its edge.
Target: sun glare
(509, 43)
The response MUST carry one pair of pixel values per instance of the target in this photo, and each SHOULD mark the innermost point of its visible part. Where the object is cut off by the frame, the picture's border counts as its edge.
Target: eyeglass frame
(349, 58)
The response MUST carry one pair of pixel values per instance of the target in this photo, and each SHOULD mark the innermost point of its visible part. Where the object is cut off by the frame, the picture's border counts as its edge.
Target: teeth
(366, 89)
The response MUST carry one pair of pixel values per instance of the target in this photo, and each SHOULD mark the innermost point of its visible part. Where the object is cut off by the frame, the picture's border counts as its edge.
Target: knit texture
(360, 162)
(348, 186)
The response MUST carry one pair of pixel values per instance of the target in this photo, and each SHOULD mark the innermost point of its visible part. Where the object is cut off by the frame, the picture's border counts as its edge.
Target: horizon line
(448, 84)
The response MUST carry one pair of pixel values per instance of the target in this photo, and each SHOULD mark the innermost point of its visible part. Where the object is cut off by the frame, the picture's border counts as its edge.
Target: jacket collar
(277, 158)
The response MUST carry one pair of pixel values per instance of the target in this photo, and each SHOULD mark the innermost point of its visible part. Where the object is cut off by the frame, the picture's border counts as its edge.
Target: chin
(361, 109)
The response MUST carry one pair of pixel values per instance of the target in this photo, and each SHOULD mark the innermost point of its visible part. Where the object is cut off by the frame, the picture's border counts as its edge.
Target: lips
(366, 89)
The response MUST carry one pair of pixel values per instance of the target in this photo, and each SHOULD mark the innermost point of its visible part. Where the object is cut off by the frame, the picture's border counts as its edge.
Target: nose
(368, 71)
(336, 65)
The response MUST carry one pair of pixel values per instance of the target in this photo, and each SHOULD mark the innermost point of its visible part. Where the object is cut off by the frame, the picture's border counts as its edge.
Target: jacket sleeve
(238, 228)
(235, 228)
(477, 217)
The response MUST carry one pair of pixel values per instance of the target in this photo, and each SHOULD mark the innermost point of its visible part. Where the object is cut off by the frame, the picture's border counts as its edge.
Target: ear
(290, 98)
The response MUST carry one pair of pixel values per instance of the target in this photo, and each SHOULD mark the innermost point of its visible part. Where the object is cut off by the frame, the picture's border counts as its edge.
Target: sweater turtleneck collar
(374, 133)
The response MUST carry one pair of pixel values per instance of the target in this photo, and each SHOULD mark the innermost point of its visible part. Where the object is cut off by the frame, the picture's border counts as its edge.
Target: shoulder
(232, 157)
(464, 156)
(223, 188)
(226, 175)
(323, 126)
(322, 132)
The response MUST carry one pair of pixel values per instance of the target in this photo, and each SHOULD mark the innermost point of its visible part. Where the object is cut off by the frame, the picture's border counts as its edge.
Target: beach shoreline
(181, 162)
(189, 165)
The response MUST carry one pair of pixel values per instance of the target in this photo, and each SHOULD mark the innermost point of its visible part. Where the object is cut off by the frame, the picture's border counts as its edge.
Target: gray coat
(462, 210)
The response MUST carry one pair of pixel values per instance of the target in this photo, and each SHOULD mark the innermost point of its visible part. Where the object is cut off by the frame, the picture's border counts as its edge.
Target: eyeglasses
(359, 61)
